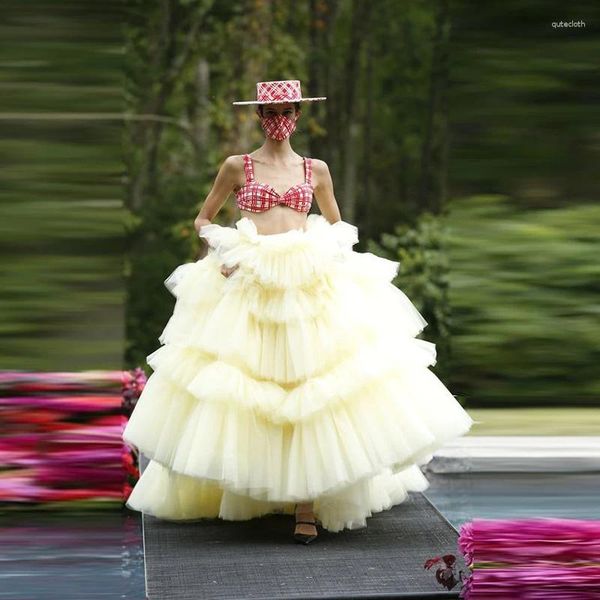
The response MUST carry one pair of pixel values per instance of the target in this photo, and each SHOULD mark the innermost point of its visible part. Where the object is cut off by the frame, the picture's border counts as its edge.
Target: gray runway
(216, 559)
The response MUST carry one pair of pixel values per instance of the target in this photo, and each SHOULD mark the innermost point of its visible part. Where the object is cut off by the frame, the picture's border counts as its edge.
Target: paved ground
(518, 453)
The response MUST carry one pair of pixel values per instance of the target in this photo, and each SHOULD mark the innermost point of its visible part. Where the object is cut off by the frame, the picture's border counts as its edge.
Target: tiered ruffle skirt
(297, 378)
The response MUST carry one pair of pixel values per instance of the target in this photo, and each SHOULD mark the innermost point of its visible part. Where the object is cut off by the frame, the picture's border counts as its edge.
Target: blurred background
(463, 139)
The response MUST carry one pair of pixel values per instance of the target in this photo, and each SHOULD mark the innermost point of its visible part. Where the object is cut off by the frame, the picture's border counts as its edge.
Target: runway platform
(258, 559)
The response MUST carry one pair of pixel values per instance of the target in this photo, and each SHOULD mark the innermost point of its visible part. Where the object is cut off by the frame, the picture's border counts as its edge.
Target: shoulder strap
(248, 168)
(308, 170)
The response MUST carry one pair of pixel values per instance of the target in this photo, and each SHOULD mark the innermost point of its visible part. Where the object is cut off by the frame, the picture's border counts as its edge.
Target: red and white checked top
(258, 197)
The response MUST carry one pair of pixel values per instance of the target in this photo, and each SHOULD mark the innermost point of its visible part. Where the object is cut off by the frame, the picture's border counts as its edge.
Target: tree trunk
(323, 18)
(367, 143)
(359, 30)
(433, 163)
(199, 117)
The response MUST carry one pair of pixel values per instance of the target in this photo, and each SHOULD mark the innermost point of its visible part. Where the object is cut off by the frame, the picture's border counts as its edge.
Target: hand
(227, 271)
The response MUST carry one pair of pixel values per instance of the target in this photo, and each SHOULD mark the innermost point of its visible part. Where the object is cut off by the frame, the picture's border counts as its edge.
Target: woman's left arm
(323, 191)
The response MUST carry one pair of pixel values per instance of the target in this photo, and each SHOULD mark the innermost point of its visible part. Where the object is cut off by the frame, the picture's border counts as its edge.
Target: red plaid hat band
(278, 92)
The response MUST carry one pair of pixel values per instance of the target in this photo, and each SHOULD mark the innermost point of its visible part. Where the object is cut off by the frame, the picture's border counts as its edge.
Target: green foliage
(122, 116)
(61, 214)
(523, 105)
(523, 291)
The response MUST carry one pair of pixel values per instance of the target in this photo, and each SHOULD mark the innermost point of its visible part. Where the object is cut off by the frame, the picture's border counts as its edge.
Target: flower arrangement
(531, 558)
(61, 438)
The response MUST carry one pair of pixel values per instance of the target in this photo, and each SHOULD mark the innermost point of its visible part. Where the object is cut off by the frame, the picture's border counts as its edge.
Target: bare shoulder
(319, 165)
(321, 174)
(233, 169)
(234, 162)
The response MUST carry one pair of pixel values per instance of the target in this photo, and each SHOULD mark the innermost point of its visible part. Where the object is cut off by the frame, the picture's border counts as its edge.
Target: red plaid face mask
(278, 127)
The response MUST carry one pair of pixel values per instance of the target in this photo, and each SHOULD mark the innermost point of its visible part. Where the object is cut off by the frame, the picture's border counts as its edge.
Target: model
(289, 378)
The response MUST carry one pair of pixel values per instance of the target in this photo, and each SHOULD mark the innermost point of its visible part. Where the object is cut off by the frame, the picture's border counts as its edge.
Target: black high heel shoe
(304, 538)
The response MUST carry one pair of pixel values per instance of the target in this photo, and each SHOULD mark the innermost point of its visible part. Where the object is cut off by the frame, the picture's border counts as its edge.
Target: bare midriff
(277, 219)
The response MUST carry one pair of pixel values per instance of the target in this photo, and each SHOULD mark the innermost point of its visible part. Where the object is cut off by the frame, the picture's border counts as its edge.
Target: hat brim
(280, 101)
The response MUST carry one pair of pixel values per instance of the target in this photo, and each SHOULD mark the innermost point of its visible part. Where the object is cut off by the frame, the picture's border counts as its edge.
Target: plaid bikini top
(258, 197)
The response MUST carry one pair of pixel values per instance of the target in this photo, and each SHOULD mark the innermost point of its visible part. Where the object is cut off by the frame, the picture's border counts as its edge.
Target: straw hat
(278, 92)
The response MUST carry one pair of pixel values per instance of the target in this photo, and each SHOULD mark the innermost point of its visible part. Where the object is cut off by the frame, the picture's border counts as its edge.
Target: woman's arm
(223, 185)
(323, 191)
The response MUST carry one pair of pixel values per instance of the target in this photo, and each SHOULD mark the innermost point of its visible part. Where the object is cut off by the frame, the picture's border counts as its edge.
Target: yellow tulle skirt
(297, 378)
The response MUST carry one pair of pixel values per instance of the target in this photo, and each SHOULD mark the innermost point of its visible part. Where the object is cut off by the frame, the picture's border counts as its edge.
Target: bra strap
(248, 168)
(308, 170)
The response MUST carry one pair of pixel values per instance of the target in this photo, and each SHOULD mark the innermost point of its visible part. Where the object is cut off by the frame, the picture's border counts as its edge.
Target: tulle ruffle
(297, 378)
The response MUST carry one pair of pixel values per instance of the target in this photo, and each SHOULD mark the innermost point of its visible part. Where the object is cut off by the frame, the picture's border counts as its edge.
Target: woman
(289, 377)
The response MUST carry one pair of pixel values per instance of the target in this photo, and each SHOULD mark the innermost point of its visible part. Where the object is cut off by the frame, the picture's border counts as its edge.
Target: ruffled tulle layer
(297, 378)
(169, 495)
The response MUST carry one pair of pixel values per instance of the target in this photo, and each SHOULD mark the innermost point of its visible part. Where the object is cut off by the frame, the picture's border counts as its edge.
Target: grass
(536, 421)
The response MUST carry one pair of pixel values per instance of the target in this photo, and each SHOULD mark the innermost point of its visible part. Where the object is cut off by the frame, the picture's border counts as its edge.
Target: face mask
(278, 127)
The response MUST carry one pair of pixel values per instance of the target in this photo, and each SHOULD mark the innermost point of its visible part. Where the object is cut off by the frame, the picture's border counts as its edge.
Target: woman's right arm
(223, 185)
